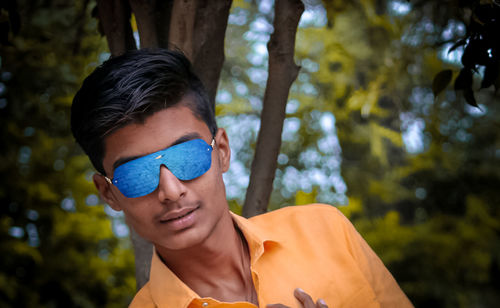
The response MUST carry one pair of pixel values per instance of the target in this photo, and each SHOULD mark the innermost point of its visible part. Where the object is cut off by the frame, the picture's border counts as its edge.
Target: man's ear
(223, 149)
(104, 188)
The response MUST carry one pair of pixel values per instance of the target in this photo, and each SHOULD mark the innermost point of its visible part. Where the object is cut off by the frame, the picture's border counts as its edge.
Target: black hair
(128, 89)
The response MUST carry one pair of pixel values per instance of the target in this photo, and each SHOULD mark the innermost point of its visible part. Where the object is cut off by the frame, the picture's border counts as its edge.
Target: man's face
(177, 214)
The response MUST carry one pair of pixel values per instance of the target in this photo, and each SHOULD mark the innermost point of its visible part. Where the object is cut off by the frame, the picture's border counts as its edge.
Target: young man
(146, 124)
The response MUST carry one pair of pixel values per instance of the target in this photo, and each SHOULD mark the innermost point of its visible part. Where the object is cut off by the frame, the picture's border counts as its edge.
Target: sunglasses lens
(189, 160)
(186, 161)
(137, 178)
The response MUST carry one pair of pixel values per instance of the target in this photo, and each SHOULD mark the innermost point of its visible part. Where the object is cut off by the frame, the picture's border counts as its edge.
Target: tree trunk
(282, 72)
(198, 28)
(114, 16)
(153, 21)
(143, 252)
(163, 14)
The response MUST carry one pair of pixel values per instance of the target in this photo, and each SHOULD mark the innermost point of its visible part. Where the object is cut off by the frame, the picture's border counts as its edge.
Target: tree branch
(282, 72)
(198, 28)
(114, 16)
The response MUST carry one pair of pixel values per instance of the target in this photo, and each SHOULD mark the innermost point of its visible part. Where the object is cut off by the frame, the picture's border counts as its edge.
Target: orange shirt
(313, 247)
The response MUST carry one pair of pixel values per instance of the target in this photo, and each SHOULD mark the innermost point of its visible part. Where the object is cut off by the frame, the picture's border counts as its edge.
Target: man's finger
(321, 303)
(304, 298)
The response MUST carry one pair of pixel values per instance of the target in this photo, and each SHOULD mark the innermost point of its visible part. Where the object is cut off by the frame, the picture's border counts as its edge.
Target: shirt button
(205, 304)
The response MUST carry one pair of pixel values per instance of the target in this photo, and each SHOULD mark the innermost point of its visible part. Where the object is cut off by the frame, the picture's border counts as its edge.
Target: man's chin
(186, 239)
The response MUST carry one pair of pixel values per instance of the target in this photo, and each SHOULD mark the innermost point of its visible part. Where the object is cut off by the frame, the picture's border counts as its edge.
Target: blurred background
(411, 162)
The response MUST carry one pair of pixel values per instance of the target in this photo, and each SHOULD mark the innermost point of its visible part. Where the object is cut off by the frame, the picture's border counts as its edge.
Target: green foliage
(57, 246)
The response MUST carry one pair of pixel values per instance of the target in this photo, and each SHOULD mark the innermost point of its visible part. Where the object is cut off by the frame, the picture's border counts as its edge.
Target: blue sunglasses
(187, 161)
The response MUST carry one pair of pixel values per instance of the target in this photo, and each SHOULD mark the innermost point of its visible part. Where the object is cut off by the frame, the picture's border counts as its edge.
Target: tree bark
(163, 15)
(114, 16)
(144, 11)
(198, 28)
(143, 252)
(282, 73)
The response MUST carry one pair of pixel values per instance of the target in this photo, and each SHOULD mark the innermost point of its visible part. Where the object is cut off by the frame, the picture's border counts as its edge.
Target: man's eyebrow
(185, 138)
(179, 140)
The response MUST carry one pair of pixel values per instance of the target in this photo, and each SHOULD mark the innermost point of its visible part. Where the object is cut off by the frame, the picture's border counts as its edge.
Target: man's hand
(304, 298)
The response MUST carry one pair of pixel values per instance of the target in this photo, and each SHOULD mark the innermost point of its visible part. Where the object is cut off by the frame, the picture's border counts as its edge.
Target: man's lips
(177, 214)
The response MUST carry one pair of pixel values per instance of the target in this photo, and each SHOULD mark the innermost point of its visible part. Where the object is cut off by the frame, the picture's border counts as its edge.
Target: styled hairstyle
(128, 89)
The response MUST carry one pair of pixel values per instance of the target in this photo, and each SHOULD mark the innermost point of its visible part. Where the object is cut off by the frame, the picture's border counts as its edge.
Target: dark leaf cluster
(481, 48)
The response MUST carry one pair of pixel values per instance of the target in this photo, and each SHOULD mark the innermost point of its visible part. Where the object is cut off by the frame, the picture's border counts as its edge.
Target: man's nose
(170, 188)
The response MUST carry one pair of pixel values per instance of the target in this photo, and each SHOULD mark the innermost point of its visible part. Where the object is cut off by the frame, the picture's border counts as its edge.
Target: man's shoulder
(311, 218)
(301, 212)
(143, 298)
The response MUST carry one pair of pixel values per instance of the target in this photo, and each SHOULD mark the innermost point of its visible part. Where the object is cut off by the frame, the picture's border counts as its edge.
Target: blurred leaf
(476, 53)
(469, 55)
(354, 207)
(302, 197)
(235, 207)
(457, 44)
(469, 97)
(464, 79)
(441, 81)
(490, 75)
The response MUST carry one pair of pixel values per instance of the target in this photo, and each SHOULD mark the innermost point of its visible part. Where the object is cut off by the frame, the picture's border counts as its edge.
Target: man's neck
(218, 268)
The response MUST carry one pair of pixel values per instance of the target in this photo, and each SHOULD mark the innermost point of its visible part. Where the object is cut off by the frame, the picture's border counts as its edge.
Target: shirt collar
(167, 288)
(257, 238)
